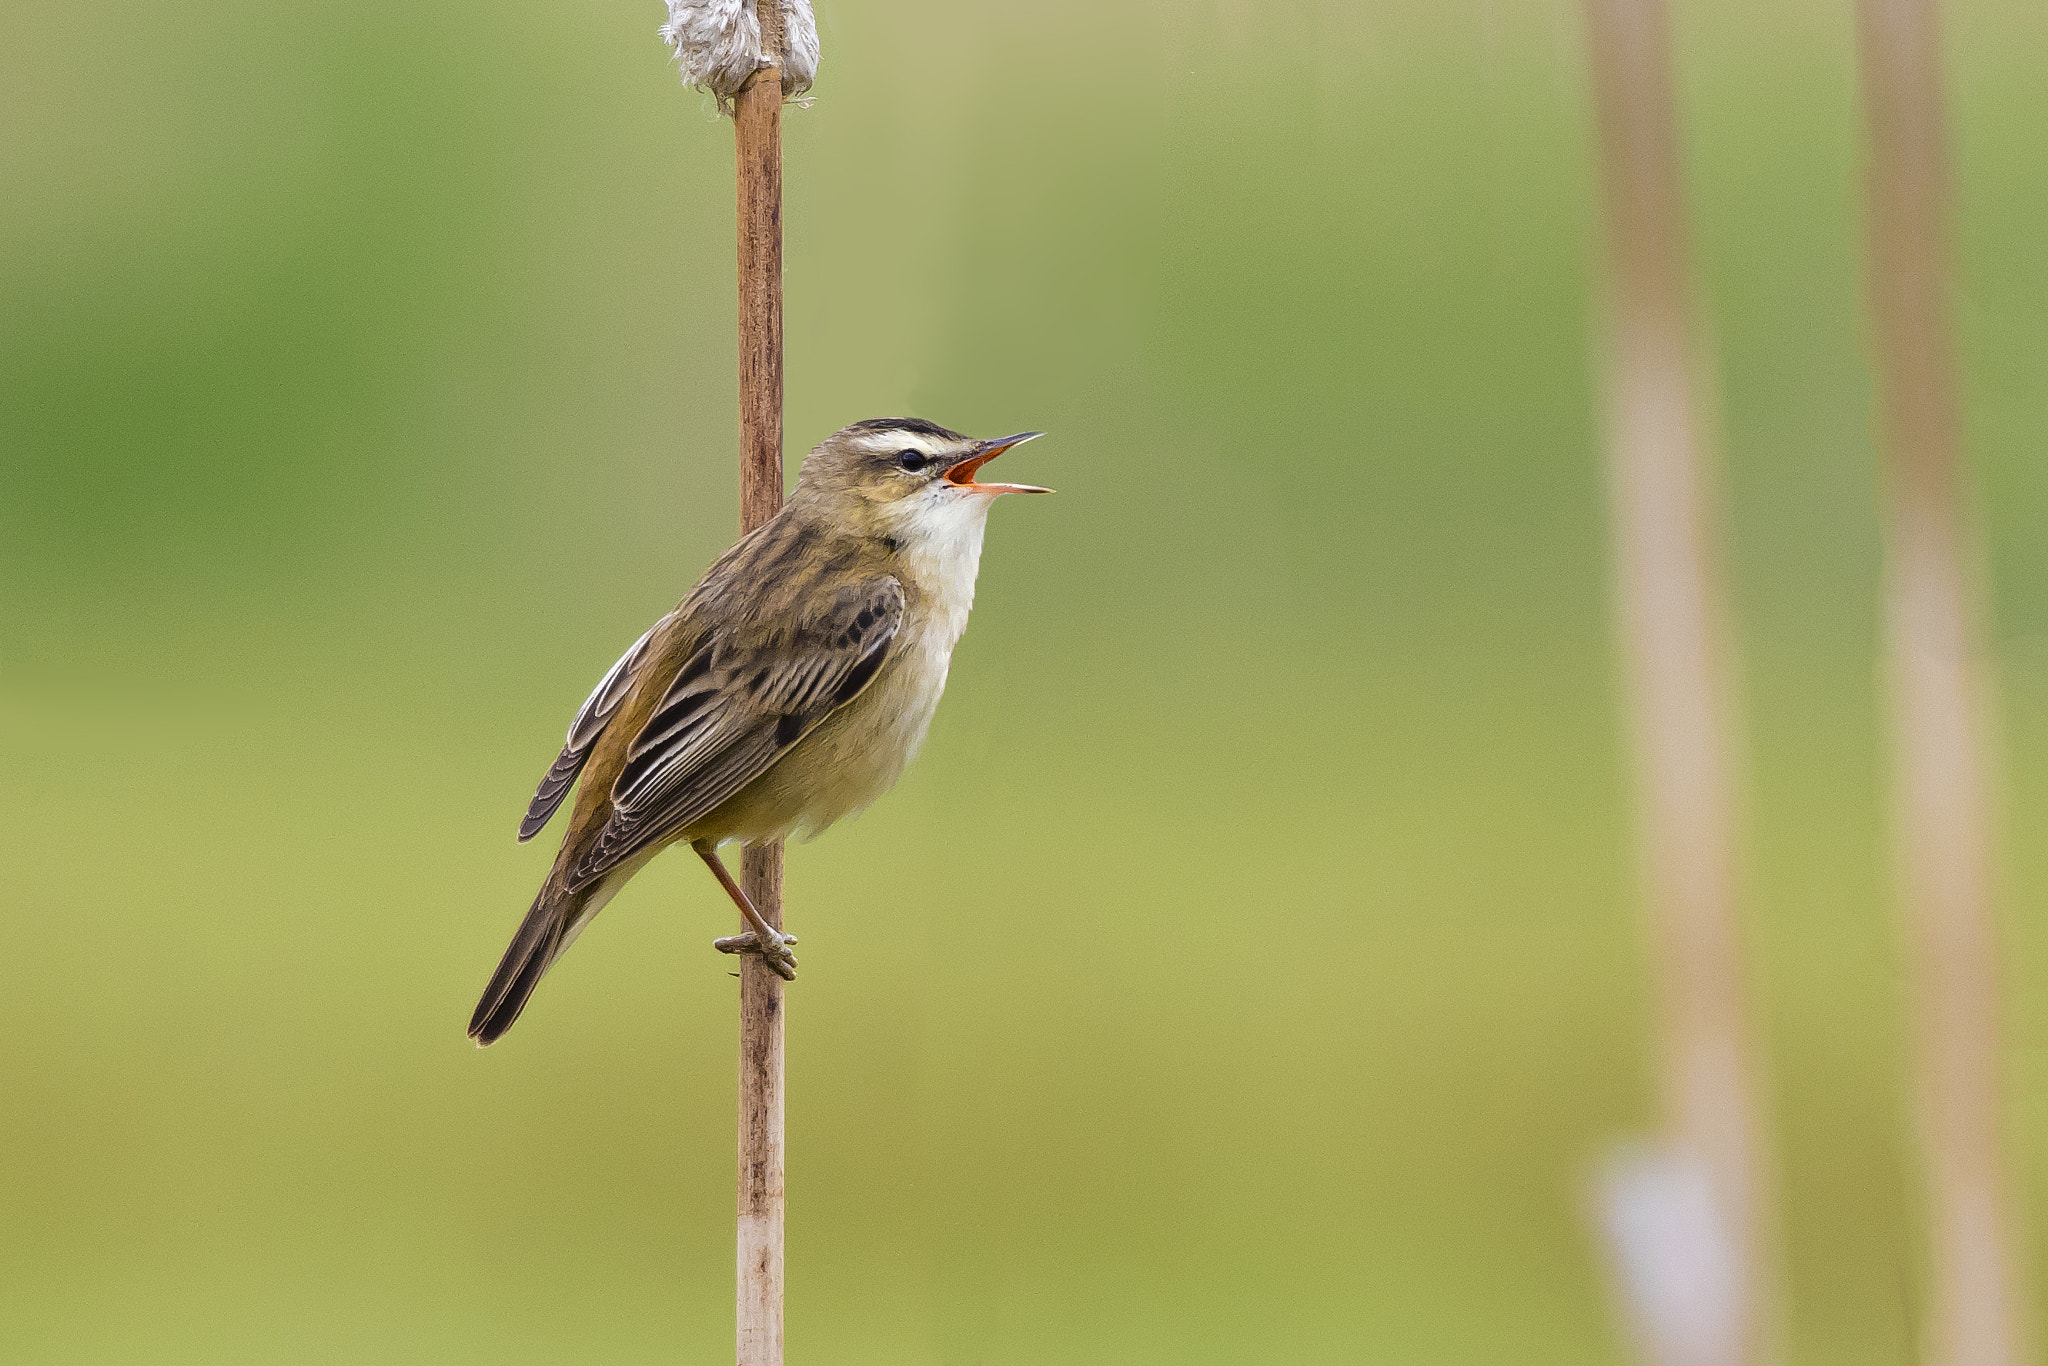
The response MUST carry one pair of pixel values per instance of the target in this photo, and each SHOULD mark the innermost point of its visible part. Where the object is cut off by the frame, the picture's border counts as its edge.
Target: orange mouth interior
(963, 473)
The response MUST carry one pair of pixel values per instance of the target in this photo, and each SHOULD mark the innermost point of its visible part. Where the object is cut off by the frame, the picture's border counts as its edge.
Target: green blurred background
(366, 384)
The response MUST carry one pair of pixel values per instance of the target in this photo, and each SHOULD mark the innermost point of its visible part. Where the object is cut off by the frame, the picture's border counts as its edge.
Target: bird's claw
(776, 953)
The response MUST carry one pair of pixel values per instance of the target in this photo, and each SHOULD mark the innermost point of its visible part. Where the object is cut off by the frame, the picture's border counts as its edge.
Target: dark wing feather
(739, 703)
(598, 709)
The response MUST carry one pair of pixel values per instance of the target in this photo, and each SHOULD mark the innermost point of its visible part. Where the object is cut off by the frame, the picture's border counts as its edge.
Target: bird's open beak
(961, 473)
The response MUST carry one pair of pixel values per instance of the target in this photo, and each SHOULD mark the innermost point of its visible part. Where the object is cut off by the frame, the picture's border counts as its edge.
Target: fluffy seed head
(718, 45)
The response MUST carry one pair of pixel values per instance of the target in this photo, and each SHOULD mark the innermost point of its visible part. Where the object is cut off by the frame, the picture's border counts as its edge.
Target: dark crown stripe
(917, 426)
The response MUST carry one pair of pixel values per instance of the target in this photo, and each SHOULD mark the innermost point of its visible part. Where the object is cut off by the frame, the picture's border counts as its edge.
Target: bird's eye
(913, 460)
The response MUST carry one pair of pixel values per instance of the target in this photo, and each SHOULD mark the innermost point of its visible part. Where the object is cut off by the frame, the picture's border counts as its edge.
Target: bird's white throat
(940, 531)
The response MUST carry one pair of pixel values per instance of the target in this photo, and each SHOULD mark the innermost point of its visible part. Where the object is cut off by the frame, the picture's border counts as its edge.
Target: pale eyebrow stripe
(897, 439)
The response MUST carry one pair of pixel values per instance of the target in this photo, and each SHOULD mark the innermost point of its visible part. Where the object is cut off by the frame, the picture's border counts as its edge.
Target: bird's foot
(775, 953)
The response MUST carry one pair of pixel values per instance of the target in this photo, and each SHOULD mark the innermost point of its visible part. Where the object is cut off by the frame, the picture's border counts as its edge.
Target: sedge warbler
(787, 690)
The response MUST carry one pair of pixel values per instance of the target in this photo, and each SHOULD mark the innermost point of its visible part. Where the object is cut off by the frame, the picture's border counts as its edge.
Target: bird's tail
(541, 938)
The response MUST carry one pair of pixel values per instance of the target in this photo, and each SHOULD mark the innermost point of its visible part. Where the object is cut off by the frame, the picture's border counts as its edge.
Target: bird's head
(903, 476)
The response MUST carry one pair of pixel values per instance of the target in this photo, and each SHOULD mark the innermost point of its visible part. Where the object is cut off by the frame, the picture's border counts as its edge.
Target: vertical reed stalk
(757, 133)
(1687, 1223)
(1942, 788)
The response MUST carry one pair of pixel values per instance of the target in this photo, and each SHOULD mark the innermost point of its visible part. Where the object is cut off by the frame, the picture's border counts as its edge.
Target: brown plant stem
(757, 139)
(1673, 639)
(1942, 787)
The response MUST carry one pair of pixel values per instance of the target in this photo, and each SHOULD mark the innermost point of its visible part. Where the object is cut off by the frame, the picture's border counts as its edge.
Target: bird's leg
(763, 938)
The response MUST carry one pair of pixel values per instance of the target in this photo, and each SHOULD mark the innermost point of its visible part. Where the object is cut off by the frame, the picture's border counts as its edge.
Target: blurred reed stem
(1687, 1223)
(1942, 793)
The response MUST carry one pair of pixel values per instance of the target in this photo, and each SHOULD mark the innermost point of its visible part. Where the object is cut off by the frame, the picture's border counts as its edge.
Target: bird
(787, 690)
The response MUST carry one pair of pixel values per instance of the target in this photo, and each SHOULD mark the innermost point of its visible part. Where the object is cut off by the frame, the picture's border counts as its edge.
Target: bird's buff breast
(859, 751)
(852, 758)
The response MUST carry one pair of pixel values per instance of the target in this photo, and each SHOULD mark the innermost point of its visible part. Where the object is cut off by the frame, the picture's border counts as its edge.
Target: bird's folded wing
(590, 722)
(739, 703)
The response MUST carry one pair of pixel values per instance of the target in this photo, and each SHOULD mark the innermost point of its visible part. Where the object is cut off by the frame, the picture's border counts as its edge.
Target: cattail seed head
(718, 45)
